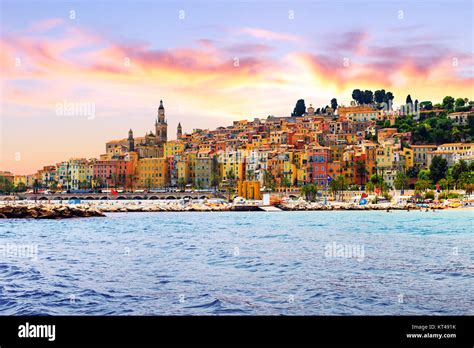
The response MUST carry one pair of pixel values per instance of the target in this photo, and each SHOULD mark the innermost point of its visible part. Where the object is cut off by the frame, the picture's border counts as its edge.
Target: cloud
(270, 35)
(45, 25)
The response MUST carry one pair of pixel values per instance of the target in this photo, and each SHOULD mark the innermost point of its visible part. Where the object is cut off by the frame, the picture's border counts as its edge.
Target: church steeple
(161, 113)
(161, 127)
(179, 134)
(131, 142)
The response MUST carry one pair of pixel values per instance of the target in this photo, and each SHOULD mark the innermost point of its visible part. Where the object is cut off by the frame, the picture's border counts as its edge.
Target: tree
(268, 180)
(400, 182)
(300, 108)
(285, 182)
(334, 104)
(422, 186)
(342, 185)
(443, 184)
(458, 168)
(250, 175)
(426, 105)
(408, 100)
(181, 184)
(368, 97)
(438, 168)
(369, 187)
(6, 185)
(230, 176)
(448, 103)
(388, 99)
(416, 105)
(460, 102)
(379, 96)
(310, 192)
(424, 175)
(357, 95)
(215, 178)
(21, 187)
(53, 186)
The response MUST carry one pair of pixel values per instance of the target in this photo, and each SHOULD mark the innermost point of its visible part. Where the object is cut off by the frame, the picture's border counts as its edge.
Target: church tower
(161, 127)
(131, 142)
(179, 134)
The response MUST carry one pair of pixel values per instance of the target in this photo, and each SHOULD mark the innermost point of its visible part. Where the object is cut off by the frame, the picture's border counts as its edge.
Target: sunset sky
(124, 56)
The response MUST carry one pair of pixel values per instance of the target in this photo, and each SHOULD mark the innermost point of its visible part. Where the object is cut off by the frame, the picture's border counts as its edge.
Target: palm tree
(285, 182)
(230, 176)
(215, 178)
(268, 180)
(400, 182)
(310, 192)
(342, 185)
(250, 175)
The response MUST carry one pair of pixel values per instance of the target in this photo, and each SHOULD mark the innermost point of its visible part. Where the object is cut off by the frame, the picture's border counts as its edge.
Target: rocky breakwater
(298, 205)
(47, 211)
(163, 207)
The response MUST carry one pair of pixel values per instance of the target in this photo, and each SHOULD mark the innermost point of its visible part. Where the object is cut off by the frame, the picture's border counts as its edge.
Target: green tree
(268, 180)
(438, 168)
(379, 96)
(408, 100)
(422, 186)
(424, 174)
(21, 187)
(388, 99)
(448, 103)
(230, 176)
(334, 104)
(458, 168)
(368, 97)
(285, 182)
(300, 108)
(310, 192)
(459, 102)
(357, 95)
(6, 185)
(215, 178)
(426, 105)
(400, 182)
(250, 175)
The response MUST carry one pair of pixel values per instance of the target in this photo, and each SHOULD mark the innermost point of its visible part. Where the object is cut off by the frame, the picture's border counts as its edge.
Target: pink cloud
(46, 25)
(270, 35)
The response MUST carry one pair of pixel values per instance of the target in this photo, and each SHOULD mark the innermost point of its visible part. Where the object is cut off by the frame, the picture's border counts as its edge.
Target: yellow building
(358, 113)
(192, 164)
(409, 160)
(289, 168)
(232, 161)
(183, 169)
(249, 189)
(172, 148)
(152, 172)
(385, 156)
(81, 173)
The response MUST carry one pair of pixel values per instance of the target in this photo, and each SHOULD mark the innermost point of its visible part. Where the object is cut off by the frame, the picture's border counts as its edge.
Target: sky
(211, 62)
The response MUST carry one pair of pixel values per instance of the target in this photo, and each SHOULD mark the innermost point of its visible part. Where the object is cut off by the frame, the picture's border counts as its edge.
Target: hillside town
(367, 145)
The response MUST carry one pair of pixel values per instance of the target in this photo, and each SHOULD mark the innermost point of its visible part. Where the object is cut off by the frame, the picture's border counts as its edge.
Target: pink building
(113, 173)
(317, 165)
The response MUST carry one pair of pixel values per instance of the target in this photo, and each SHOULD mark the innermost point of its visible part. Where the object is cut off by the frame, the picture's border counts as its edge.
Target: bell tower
(131, 142)
(161, 127)
(179, 133)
